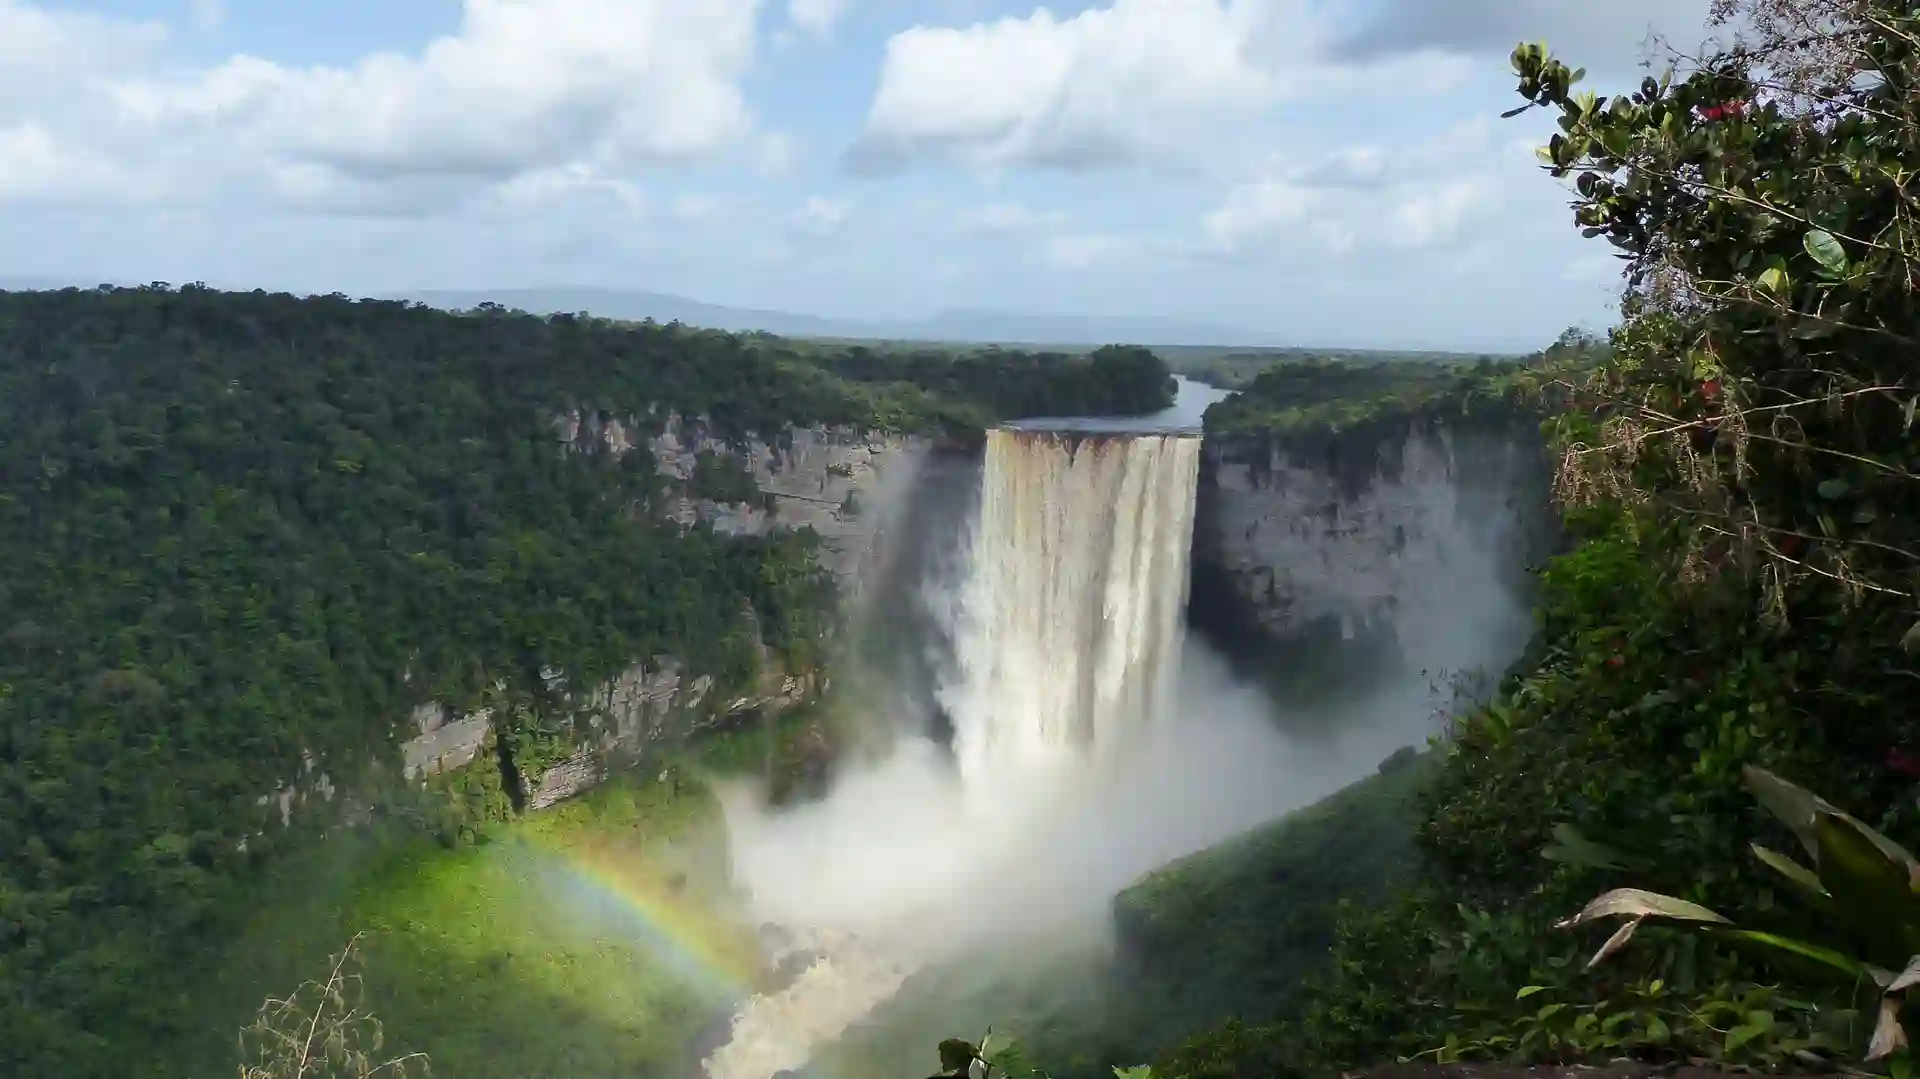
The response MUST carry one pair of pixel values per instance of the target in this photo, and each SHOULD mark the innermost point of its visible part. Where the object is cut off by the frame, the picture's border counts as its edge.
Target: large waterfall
(1071, 619)
(1067, 634)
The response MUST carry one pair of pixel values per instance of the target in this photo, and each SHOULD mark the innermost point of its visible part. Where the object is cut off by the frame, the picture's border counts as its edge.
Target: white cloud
(1256, 211)
(1085, 251)
(696, 207)
(821, 217)
(1432, 212)
(775, 154)
(1111, 85)
(1357, 198)
(46, 55)
(529, 192)
(817, 17)
(521, 88)
(208, 14)
(1009, 219)
(37, 166)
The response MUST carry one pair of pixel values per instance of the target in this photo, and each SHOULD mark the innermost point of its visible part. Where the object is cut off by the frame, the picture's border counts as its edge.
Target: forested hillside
(242, 534)
(1322, 398)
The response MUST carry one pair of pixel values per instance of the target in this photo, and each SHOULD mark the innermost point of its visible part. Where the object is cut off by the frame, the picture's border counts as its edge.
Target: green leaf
(1833, 488)
(1830, 962)
(1792, 805)
(1573, 848)
(1138, 1071)
(1869, 881)
(1772, 279)
(1529, 990)
(1791, 870)
(1635, 903)
(1826, 251)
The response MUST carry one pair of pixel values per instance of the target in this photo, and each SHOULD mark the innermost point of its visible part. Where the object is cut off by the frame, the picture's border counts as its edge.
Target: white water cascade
(1072, 617)
(1067, 631)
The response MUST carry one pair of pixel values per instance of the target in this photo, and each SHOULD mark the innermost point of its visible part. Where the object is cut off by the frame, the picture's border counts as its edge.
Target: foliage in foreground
(961, 1059)
(1868, 885)
(323, 1030)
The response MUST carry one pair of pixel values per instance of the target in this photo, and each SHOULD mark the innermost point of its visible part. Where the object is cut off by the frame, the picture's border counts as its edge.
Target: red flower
(1710, 389)
(1902, 763)
(1712, 112)
(1616, 660)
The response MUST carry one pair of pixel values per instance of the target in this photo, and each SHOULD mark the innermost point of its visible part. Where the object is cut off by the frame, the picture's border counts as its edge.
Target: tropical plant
(1761, 202)
(1869, 882)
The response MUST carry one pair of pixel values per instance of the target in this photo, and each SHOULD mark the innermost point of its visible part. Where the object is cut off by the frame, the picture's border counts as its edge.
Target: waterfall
(1071, 619)
(1067, 633)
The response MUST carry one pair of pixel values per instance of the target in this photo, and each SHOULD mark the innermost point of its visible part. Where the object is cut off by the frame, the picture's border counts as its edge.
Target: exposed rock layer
(1310, 560)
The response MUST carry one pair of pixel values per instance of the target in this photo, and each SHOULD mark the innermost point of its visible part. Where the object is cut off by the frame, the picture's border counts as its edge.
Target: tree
(1760, 197)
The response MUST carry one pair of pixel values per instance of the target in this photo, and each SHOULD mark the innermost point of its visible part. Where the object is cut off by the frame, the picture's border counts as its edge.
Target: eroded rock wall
(840, 483)
(1406, 550)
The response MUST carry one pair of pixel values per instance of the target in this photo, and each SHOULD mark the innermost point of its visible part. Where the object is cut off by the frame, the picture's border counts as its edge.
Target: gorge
(1090, 741)
(520, 635)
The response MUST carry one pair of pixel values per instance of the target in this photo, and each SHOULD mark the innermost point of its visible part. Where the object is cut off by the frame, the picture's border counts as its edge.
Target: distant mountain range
(957, 325)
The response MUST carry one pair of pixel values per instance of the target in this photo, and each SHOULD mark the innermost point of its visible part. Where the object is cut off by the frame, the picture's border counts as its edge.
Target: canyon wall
(846, 486)
(1398, 548)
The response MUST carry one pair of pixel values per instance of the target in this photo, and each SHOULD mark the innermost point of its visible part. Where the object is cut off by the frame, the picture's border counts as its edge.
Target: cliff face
(1403, 548)
(840, 483)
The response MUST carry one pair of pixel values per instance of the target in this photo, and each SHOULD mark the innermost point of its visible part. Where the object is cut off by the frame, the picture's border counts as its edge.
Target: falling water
(1071, 621)
(1067, 630)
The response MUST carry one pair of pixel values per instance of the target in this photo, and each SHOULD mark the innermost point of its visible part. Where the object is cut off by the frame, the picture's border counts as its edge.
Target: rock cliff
(1385, 547)
(842, 484)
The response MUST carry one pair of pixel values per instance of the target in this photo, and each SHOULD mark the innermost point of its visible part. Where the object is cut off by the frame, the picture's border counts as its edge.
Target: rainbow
(612, 891)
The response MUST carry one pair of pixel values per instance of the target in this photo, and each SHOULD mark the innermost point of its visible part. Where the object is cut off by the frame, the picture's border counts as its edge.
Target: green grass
(589, 940)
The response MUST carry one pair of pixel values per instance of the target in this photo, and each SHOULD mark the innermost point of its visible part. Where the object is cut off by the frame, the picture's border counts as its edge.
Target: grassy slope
(511, 957)
(1230, 931)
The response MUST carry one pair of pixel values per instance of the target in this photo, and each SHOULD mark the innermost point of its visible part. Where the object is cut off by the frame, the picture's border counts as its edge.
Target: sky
(1329, 172)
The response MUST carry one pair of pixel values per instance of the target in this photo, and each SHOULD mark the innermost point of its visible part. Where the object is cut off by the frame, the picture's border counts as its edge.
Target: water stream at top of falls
(1067, 631)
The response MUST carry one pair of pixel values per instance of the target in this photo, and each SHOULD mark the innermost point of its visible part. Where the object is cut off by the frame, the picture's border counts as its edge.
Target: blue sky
(1328, 172)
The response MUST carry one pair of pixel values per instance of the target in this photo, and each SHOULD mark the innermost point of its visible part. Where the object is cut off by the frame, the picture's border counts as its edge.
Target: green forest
(241, 533)
(1114, 380)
